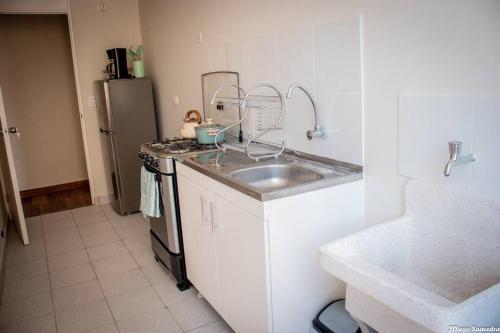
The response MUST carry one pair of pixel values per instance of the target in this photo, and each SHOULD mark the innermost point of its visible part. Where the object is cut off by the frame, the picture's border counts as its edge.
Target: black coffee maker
(117, 67)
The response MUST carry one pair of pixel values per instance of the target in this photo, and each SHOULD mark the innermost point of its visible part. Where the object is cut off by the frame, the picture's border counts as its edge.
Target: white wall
(94, 32)
(38, 85)
(428, 123)
(33, 6)
(309, 55)
(421, 46)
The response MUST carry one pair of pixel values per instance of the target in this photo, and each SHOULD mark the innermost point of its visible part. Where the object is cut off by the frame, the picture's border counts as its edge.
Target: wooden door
(10, 186)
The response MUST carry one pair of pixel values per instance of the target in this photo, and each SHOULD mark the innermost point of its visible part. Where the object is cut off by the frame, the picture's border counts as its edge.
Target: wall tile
(296, 58)
(341, 116)
(485, 180)
(426, 124)
(337, 54)
(263, 57)
(237, 54)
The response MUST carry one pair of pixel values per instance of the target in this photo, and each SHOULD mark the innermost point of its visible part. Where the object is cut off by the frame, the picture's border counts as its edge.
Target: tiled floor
(91, 270)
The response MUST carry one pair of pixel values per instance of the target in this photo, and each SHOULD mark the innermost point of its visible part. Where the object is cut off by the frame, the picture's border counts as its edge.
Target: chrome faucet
(455, 148)
(318, 131)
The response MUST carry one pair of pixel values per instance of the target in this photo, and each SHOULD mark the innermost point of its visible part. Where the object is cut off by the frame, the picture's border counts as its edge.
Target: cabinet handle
(212, 216)
(203, 214)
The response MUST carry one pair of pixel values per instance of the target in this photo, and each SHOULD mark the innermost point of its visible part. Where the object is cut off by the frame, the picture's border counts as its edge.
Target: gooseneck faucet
(455, 148)
(318, 131)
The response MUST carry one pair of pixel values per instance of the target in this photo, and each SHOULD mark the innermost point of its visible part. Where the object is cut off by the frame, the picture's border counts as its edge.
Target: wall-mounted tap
(318, 131)
(455, 148)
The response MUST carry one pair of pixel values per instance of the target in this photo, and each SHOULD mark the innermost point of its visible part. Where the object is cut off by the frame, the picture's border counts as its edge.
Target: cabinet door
(197, 232)
(240, 245)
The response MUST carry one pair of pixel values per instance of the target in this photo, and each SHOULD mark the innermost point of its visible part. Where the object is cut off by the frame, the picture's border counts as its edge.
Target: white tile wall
(337, 55)
(485, 176)
(326, 59)
(427, 123)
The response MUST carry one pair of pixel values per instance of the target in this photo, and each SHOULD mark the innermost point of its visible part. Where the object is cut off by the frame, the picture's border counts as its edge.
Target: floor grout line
(99, 281)
(115, 227)
(50, 282)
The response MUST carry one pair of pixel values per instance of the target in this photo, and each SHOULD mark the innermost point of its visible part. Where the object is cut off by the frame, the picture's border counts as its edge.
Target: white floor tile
(156, 274)
(76, 295)
(124, 282)
(18, 253)
(66, 260)
(111, 214)
(110, 328)
(217, 327)
(170, 295)
(126, 221)
(28, 308)
(60, 235)
(73, 275)
(34, 225)
(104, 237)
(134, 231)
(43, 324)
(64, 246)
(193, 314)
(158, 321)
(84, 317)
(95, 228)
(135, 244)
(57, 225)
(107, 251)
(19, 290)
(144, 257)
(133, 303)
(90, 218)
(106, 207)
(115, 265)
(63, 215)
(86, 210)
(25, 270)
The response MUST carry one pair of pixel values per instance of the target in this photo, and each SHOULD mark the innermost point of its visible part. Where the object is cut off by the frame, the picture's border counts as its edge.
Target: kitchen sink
(275, 176)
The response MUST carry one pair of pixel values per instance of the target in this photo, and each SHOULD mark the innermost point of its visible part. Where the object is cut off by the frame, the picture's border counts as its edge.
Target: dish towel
(151, 196)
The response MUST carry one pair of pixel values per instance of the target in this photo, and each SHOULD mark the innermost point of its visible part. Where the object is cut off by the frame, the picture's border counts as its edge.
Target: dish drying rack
(270, 110)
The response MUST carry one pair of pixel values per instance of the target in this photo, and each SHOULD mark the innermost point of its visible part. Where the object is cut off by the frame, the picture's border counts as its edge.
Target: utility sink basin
(275, 176)
(436, 268)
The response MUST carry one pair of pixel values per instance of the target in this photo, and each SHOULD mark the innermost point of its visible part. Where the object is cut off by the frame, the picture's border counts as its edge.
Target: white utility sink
(438, 265)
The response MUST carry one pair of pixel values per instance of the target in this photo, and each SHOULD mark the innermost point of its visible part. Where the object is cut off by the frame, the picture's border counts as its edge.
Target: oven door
(165, 227)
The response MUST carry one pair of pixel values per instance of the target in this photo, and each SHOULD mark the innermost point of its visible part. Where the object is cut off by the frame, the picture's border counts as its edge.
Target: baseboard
(80, 184)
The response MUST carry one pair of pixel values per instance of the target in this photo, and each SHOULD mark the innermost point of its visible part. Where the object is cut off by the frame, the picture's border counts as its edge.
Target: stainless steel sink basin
(275, 176)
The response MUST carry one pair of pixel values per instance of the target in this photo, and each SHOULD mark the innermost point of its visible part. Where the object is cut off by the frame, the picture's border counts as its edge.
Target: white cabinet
(257, 262)
(198, 239)
(240, 251)
(225, 256)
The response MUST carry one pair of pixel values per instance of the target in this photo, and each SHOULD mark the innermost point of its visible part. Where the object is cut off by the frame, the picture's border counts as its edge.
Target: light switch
(198, 38)
(92, 102)
(101, 6)
(175, 100)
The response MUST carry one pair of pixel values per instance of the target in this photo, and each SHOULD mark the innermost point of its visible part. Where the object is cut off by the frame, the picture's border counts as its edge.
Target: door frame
(79, 96)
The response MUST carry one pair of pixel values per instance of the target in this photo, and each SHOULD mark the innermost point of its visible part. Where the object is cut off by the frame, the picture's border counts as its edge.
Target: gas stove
(161, 154)
(180, 146)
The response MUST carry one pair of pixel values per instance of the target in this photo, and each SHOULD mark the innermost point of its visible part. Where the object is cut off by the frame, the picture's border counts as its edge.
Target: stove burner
(180, 146)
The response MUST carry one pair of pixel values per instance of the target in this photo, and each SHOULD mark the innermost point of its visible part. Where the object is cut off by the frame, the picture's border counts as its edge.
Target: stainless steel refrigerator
(127, 119)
